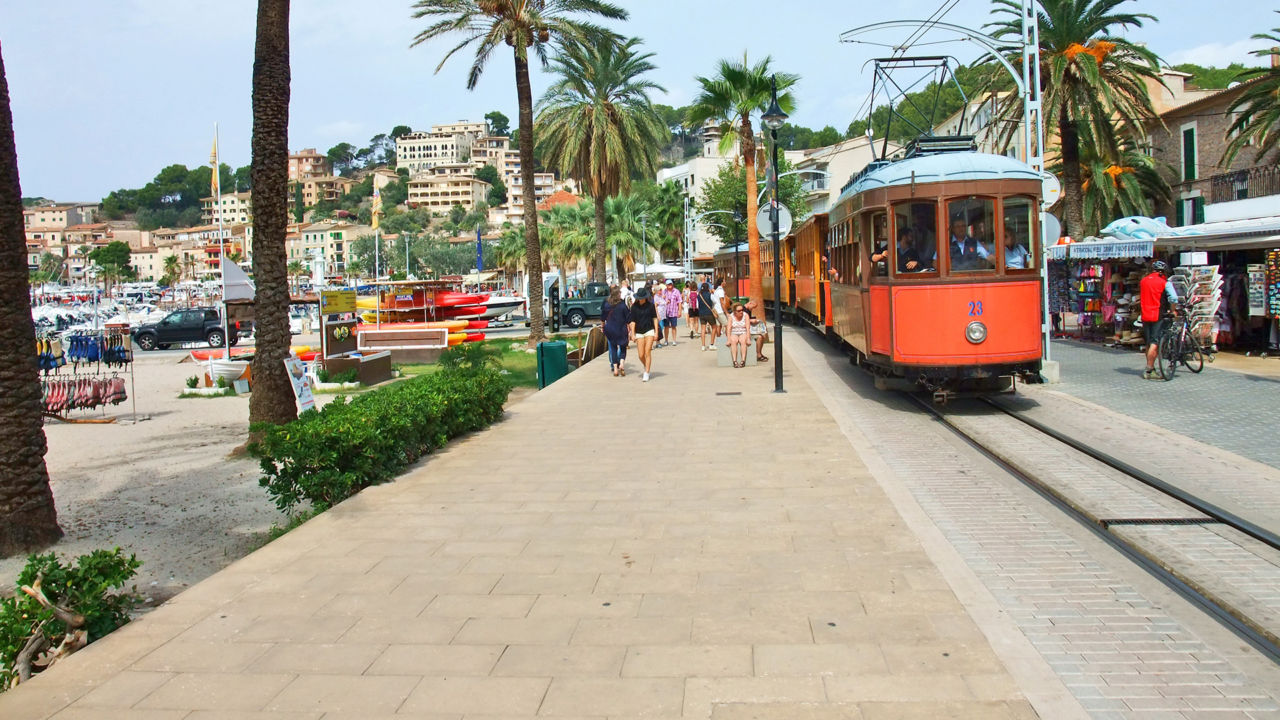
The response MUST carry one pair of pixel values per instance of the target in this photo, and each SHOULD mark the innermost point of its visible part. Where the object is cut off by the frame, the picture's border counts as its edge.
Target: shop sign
(333, 302)
(1111, 250)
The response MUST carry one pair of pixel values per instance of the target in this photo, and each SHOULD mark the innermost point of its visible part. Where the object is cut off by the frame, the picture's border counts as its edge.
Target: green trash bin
(553, 362)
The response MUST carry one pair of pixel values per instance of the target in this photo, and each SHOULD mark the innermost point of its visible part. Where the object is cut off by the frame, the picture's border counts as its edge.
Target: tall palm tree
(509, 255)
(1259, 105)
(272, 399)
(625, 232)
(524, 25)
(28, 519)
(1116, 188)
(172, 268)
(294, 269)
(567, 237)
(666, 216)
(598, 126)
(1092, 83)
(738, 90)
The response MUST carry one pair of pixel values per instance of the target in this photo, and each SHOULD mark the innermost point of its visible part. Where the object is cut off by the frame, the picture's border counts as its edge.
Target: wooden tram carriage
(967, 314)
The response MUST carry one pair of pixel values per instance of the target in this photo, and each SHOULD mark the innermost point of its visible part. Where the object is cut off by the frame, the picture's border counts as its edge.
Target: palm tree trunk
(753, 232)
(272, 400)
(1072, 186)
(598, 259)
(28, 519)
(532, 248)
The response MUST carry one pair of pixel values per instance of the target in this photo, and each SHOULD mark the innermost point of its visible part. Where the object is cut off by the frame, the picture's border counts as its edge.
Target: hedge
(328, 455)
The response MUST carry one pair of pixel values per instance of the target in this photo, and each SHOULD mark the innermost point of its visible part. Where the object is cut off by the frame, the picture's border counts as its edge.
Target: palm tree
(272, 399)
(28, 519)
(666, 216)
(524, 25)
(598, 126)
(568, 236)
(1119, 188)
(1092, 80)
(730, 97)
(294, 269)
(172, 268)
(509, 255)
(1259, 105)
(626, 236)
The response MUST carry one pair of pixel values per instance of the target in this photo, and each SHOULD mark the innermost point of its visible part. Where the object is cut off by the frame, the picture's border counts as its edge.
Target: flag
(213, 162)
(377, 207)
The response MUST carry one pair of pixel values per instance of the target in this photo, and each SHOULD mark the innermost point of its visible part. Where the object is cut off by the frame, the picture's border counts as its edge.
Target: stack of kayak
(441, 305)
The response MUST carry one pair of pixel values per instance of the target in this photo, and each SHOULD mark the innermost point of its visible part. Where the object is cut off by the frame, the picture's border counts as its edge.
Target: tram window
(916, 231)
(1019, 234)
(971, 237)
(879, 233)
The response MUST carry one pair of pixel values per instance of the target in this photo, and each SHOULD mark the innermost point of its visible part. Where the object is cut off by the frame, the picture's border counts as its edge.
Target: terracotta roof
(559, 197)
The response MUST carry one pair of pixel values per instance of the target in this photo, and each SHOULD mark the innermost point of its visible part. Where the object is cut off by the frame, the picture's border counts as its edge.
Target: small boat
(496, 306)
(228, 370)
(475, 337)
(218, 353)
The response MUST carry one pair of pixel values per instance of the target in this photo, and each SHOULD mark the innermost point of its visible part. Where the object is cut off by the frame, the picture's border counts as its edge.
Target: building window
(1189, 152)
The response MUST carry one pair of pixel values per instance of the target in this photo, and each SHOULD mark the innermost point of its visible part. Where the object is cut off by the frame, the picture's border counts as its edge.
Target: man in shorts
(1154, 290)
(671, 314)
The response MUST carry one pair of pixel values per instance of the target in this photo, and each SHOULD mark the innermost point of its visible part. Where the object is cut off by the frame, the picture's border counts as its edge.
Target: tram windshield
(971, 235)
(1019, 236)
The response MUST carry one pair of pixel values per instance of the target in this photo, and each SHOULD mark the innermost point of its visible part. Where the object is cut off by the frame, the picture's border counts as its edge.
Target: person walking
(691, 309)
(706, 314)
(615, 317)
(625, 288)
(671, 316)
(644, 328)
(660, 307)
(1153, 292)
(721, 306)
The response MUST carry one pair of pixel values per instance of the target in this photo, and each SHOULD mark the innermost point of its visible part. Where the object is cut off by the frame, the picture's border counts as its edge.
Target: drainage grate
(1157, 521)
(728, 393)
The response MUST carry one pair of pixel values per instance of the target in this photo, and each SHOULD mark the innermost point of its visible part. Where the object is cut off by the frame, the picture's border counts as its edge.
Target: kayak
(450, 325)
(475, 337)
(457, 338)
(217, 353)
(477, 324)
(308, 355)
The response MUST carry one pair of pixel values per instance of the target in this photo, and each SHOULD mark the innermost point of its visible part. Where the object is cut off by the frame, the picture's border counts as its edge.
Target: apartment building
(34, 252)
(56, 217)
(544, 186)
(237, 208)
(824, 171)
(451, 143)
(329, 242)
(440, 192)
(149, 261)
(321, 187)
(308, 163)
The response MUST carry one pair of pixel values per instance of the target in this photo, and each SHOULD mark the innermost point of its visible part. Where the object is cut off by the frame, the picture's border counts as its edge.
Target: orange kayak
(216, 353)
(457, 338)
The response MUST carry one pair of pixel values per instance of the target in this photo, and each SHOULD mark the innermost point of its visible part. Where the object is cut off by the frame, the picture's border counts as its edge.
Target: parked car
(184, 326)
(574, 312)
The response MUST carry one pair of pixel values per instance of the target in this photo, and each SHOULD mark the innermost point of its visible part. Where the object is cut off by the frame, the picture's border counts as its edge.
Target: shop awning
(1105, 249)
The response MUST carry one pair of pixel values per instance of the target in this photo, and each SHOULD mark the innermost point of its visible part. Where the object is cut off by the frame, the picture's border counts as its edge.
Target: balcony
(817, 184)
(1254, 182)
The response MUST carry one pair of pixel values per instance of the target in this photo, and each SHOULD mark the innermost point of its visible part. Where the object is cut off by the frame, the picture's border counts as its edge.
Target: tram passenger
(967, 250)
(1016, 254)
(908, 258)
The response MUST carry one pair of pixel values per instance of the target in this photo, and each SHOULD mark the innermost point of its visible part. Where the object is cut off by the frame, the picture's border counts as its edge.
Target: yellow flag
(213, 162)
(377, 207)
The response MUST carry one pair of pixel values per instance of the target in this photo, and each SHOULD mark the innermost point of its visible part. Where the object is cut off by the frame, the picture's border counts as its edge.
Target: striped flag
(377, 207)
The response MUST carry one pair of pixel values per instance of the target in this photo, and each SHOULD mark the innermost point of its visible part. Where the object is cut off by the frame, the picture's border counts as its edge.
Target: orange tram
(952, 302)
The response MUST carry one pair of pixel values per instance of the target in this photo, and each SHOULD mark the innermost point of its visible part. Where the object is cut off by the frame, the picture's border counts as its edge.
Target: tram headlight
(975, 332)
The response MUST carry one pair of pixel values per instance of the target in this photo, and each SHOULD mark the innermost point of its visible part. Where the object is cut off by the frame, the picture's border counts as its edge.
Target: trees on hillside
(598, 125)
(730, 97)
(272, 400)
(497, 189)
(499, 124)
(523, 26)
(1093, 81)
(28, 520)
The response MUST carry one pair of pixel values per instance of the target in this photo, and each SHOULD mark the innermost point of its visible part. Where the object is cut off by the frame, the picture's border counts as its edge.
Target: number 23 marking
(975, 308)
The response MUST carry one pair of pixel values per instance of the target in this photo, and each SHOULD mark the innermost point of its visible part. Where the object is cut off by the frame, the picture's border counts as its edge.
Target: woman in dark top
(644, 328)
(616, 318)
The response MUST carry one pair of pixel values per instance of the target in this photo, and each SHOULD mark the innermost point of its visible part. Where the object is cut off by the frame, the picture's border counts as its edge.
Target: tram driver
(967, 249)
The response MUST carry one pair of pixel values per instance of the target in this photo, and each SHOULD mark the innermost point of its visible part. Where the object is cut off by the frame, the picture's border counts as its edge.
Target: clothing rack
(96, 360)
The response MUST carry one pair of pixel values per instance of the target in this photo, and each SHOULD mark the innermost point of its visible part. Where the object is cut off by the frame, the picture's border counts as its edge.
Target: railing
(1257, 181)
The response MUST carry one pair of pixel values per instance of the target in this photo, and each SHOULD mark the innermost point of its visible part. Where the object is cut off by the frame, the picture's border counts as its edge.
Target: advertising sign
(301, 384)
(333, 302)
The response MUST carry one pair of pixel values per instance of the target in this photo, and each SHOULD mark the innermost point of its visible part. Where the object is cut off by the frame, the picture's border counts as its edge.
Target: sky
(105, 94)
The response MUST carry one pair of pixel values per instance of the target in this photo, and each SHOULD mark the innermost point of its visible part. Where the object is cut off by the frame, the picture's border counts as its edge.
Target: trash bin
(553, 362)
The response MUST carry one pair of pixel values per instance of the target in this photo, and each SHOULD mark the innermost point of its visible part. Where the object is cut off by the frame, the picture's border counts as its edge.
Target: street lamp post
(773, 119)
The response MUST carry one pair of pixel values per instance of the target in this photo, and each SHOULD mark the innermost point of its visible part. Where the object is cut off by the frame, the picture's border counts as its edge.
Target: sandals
(761, 358)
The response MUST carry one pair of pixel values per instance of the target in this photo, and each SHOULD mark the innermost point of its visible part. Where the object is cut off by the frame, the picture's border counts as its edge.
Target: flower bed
(328, 455)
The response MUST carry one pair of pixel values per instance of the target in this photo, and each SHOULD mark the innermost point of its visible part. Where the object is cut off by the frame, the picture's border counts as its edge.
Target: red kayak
(216, 353)
(477, 324)
(451, 298)
(475, 337)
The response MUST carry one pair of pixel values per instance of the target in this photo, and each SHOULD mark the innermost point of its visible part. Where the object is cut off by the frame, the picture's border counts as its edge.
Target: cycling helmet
(1159, 266)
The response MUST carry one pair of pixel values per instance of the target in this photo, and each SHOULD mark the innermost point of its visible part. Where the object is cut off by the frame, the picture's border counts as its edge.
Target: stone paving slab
(589, 557)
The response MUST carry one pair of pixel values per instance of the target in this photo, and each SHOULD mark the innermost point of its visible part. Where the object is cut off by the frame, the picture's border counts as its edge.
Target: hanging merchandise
(86, 387)
(49, 353)
(1273, 283)
(83, 393)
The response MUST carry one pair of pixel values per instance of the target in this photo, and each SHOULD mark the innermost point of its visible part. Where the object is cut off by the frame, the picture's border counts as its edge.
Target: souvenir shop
(1093, 289)
(83, 373)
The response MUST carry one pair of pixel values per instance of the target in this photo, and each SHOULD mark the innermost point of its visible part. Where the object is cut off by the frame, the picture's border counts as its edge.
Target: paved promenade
(693, 547)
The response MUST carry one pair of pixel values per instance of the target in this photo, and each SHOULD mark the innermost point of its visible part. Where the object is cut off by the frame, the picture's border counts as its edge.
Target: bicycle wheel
(1193, 358)
(1167, 355)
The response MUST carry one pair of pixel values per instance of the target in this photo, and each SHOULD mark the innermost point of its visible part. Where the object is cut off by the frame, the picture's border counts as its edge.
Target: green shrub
(193, 381)
(88, 588)
(222, 382)
(346, 376)
(328, 455)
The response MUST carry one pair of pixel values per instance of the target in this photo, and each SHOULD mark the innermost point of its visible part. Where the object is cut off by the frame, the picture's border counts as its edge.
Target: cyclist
(1156, 296)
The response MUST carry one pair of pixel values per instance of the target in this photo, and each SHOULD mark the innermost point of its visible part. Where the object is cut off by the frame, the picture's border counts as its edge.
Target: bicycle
(1177, 346)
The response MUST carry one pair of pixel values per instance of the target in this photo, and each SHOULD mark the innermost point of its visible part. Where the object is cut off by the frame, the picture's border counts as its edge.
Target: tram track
(1146, 519)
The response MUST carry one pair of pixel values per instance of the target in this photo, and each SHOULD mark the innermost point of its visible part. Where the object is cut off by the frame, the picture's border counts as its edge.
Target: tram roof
(943, 167)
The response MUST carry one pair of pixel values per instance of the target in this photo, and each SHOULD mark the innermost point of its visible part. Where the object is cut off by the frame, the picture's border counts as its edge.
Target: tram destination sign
(766, 227)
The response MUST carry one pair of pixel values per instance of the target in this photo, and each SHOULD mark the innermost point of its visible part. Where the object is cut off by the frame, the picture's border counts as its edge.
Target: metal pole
(777, 259)
(406, 255)
(222, 251)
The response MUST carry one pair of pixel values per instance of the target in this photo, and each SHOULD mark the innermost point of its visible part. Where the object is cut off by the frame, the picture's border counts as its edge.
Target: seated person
(881, 258)
(908, 259)
(967, 251)
(1016, 254)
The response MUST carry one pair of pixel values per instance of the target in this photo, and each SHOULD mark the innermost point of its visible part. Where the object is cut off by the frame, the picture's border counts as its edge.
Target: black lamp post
(773, 119)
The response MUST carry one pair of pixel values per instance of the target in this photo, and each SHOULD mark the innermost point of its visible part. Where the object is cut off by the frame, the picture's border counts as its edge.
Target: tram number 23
(975, 308)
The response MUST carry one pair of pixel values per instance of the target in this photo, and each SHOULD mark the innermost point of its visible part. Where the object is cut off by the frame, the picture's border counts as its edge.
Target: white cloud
(1218, 54)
